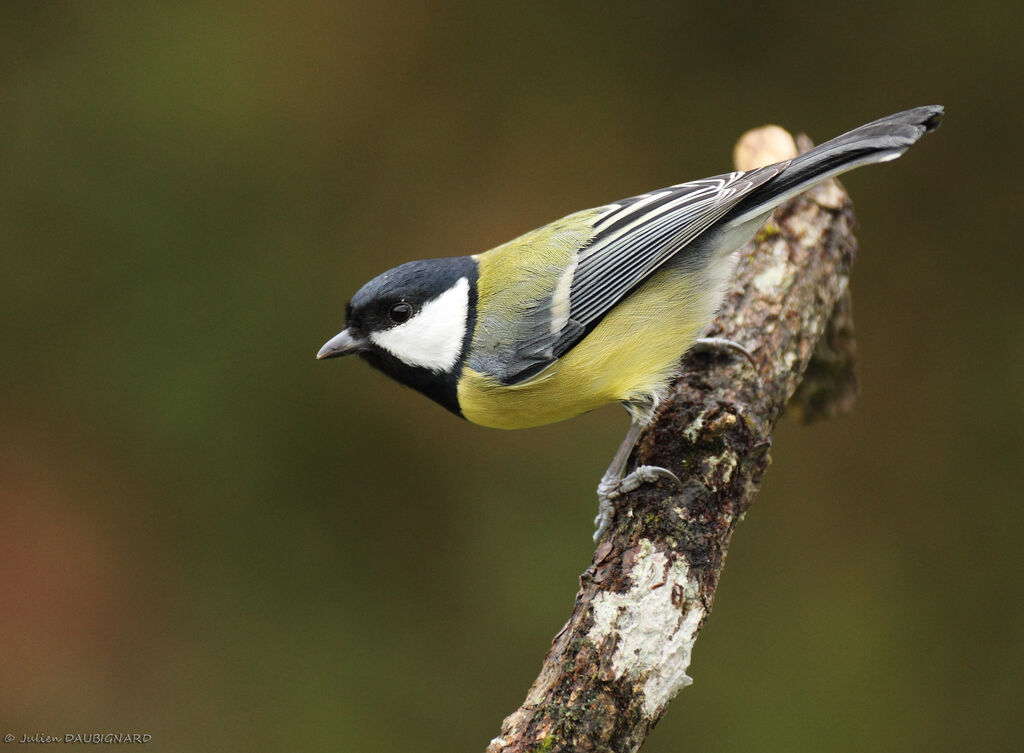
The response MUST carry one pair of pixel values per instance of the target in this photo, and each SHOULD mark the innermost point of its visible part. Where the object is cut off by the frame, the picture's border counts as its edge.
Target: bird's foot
(707, 344)
(611, 489)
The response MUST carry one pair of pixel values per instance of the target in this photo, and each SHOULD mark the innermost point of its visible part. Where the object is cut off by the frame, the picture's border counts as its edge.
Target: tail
(878, 141)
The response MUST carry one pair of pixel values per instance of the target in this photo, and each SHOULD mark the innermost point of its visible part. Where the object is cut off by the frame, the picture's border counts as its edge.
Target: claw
(603, 519)
(647, 474)
(611, 489)
(615, 483)
(721, 343)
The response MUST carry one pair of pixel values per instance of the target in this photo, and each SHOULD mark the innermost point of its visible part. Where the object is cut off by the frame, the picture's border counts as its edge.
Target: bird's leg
(614, 483)
(708, 344)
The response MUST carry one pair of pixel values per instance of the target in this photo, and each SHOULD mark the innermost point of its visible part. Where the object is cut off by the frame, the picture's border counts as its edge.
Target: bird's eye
(400, 312)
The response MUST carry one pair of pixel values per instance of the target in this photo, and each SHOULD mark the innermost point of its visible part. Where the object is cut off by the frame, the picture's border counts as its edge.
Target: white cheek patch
(432, 338)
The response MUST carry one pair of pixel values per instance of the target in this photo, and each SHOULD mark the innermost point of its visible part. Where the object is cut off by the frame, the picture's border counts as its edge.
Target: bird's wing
(636, 236)
(628, 241)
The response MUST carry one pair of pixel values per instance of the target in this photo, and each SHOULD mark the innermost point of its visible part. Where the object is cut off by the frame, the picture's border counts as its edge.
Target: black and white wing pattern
(631, 239)
(636, 236)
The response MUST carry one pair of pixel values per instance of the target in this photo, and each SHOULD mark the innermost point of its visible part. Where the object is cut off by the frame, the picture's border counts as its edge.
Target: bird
(597, 307)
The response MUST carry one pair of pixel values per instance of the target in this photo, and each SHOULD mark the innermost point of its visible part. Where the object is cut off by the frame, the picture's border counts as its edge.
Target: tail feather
(878, 141)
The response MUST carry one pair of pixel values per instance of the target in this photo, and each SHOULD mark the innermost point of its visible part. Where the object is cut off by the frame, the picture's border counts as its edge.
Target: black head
(414, 323)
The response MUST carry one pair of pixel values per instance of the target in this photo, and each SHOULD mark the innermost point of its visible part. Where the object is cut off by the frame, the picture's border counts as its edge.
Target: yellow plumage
(596, 308)
(633, 352)
(517, 277)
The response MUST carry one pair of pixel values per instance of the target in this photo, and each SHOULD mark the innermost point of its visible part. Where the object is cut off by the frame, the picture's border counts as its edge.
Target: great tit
(595, 308)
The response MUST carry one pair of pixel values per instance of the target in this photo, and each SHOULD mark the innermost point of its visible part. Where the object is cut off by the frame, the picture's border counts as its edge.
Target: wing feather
(628, 241)
(633, 242)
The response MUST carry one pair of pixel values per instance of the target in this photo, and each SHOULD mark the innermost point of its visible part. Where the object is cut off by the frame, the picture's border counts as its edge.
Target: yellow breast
(634, 352)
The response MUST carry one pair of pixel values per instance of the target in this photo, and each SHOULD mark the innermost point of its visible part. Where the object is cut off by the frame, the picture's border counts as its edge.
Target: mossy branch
(623, 654)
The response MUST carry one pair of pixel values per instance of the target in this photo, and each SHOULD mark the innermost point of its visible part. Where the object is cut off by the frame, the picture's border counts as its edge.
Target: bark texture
(623, 654)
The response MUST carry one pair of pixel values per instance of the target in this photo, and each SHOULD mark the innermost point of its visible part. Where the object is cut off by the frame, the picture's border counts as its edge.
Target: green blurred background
(212, 538)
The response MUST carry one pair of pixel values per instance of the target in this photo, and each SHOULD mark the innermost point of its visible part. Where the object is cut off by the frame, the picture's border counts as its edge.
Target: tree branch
(623, 654)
